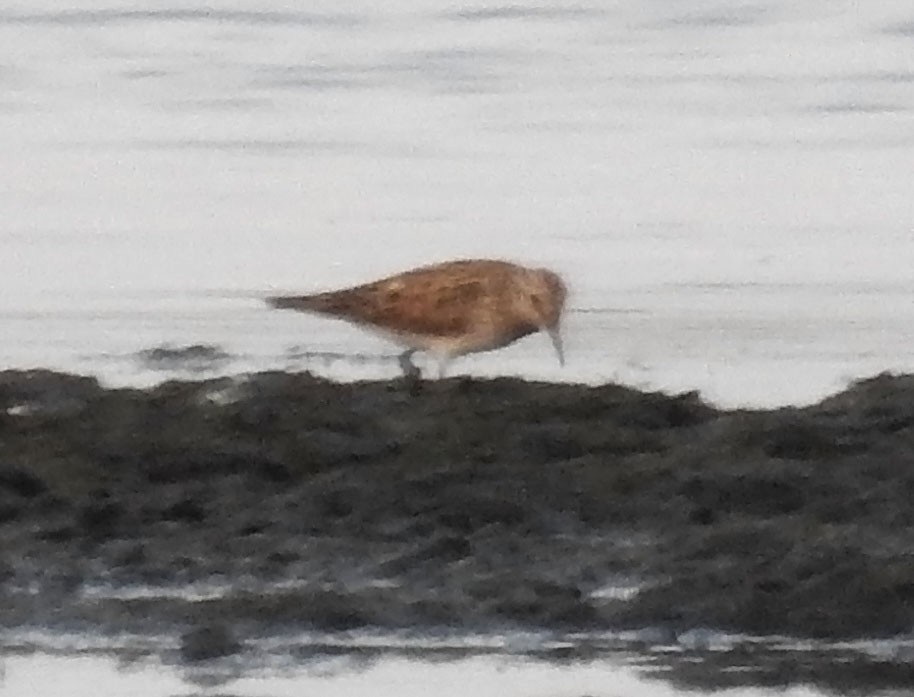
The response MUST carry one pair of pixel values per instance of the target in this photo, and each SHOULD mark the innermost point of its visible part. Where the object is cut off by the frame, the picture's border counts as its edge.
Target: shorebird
(448, 309)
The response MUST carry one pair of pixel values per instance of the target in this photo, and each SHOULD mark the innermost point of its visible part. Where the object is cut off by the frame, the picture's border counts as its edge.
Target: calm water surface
(454, 668)
(481, 676)
(726, 185)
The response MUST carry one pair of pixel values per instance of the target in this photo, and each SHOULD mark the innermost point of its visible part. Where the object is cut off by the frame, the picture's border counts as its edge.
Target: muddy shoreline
(468, 504)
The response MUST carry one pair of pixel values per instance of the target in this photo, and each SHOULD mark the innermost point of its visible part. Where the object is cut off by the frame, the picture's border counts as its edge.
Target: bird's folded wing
(419, 306)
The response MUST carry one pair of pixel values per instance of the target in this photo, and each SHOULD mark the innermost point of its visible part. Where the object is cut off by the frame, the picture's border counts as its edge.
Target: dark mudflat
(461, 503)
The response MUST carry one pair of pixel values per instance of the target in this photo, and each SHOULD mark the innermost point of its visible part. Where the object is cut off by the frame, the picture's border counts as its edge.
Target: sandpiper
(448, 309)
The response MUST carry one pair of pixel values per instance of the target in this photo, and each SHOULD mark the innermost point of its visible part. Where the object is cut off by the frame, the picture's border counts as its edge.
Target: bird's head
(542, 299)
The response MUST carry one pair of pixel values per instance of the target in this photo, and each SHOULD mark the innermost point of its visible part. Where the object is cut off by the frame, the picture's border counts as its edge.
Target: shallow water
(483, 676)
(386, 665)
(725, 185)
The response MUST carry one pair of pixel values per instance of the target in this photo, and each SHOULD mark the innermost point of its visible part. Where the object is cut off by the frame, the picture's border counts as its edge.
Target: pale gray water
(402, 666)
(728, 171)
(93, 676)
(726, 185)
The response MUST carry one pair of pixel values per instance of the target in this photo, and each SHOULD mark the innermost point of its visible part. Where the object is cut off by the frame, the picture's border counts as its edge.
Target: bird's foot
(412, 376)
(410, 371)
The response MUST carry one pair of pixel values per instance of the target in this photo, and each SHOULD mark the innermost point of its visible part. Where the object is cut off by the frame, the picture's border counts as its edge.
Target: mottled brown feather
(416, 301)
(472, 304)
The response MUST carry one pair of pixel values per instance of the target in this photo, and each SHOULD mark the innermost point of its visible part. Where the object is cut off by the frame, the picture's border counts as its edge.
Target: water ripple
(83, 17)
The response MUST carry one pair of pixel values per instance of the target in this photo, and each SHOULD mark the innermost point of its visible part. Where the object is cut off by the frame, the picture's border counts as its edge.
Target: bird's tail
(289, 302)
(325, 303)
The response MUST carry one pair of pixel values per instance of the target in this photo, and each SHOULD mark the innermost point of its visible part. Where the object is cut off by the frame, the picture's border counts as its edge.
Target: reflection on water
(100, 676)
(648, 662)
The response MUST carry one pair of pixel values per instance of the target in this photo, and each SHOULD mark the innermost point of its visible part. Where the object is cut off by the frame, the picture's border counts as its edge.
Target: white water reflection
(483, 676)
(614, 664)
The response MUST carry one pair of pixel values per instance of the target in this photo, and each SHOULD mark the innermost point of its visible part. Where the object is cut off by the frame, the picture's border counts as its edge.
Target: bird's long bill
(556, 336)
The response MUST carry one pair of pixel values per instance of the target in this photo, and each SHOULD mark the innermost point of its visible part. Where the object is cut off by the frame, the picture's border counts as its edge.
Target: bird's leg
(443, 363)
(410, 371)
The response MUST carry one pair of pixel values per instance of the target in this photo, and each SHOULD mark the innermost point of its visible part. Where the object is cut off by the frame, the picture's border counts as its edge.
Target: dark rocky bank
(462, 503)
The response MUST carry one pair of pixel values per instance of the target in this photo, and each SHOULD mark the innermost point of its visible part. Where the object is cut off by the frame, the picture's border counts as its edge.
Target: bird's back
(443, 300)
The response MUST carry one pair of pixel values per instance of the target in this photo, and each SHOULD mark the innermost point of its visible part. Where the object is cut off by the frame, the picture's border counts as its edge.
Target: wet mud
(291, 502)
